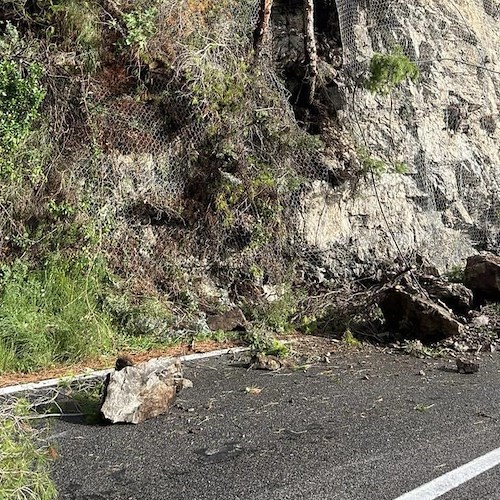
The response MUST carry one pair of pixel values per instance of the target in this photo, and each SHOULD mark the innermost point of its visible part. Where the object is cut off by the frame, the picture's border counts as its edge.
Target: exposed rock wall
(444, 128)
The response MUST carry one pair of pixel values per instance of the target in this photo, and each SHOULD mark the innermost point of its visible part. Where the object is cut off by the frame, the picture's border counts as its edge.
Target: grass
(52, 314)
(24, 459)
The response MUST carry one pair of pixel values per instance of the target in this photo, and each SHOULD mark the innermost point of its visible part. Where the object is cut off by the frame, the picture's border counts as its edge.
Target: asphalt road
(366, 426)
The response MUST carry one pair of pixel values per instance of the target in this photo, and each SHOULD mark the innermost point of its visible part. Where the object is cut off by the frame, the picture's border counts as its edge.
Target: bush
(389, 70)
(24, 467)
(21, 94)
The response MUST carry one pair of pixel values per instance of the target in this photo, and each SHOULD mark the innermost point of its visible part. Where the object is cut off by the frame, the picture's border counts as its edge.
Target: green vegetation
(21, 94)
(76, 25)
(142, 144)
(349, 339)
(387, 71)
(377, 167)
(276, 315)
(455, 274)
(262, 342)
(52, 313)
(24, 468)
(140, 26)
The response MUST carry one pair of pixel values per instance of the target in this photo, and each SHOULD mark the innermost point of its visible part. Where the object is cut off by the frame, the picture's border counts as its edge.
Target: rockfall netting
(190, 150)
(442, 129)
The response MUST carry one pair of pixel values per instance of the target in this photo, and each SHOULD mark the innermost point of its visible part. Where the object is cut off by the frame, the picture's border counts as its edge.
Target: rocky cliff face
(443, 129)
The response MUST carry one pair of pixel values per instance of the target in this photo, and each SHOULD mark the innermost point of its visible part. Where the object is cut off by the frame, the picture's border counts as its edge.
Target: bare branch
(310, 51)
(262, 27)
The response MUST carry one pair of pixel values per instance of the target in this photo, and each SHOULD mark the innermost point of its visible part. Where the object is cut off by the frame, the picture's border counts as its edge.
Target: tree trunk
(262, 27)
(310, 51)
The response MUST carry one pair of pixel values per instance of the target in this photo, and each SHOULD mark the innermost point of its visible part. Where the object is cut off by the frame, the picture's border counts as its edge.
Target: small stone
(422, 373)
(261, 361)
(185, 383)
(467, 366)
(481, 320)
(232, 320)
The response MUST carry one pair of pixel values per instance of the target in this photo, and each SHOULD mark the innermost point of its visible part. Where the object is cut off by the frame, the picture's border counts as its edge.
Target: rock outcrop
(444, 128)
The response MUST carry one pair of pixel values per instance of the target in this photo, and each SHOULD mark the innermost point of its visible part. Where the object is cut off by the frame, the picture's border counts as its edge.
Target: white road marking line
(44, 384)
(442, 484)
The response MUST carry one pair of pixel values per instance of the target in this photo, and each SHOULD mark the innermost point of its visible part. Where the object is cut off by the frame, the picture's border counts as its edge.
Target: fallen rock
(417, 317)
(480, 321)
(261, 361)
(467, 366)
(482, 276)
(456, 296)
(232, 320)
(134, 393)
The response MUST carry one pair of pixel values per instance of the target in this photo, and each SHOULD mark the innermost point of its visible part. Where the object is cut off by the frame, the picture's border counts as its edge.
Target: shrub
(24, 471)
(21, 94)
(389, 70)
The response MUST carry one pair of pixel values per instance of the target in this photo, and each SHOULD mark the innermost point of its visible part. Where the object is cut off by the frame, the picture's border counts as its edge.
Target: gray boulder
(454, 295)
(134, 393)
(415, 316)
(482, 276)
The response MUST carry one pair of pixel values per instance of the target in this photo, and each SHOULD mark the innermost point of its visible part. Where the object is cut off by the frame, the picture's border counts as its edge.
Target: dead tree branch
(262, 27)
(310, 51)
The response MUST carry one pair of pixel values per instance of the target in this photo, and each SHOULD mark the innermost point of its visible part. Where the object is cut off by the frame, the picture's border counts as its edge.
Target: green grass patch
(52, 314)
(24, 458)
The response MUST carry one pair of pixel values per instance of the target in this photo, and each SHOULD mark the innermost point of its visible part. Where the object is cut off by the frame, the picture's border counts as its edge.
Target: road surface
(368, 425)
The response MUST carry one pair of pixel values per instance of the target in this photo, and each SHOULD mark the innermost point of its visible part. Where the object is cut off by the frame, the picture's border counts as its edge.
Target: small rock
(184, 383)
(481, 320)
(467, 366)
(422, 373)
(232, 320)
(123, 361)
(261, 361)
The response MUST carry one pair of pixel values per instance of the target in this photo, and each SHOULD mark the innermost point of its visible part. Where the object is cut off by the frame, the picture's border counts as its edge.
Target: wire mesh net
(443, 127)
(155, 146)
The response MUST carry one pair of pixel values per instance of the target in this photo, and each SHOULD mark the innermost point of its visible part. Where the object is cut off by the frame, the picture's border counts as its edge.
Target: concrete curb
(44, 384)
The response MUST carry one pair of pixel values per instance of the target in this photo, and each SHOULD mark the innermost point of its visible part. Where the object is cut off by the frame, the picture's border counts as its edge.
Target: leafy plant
(24, 470)
(377, 167)
(349, 339)
(370, 164)
(141, 26)
(389, 70)
(277, 314)
(21, 94)
(263, 343)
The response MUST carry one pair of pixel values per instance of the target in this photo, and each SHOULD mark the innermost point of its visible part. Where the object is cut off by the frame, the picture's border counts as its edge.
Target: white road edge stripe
(442, 484)
(44, 384)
